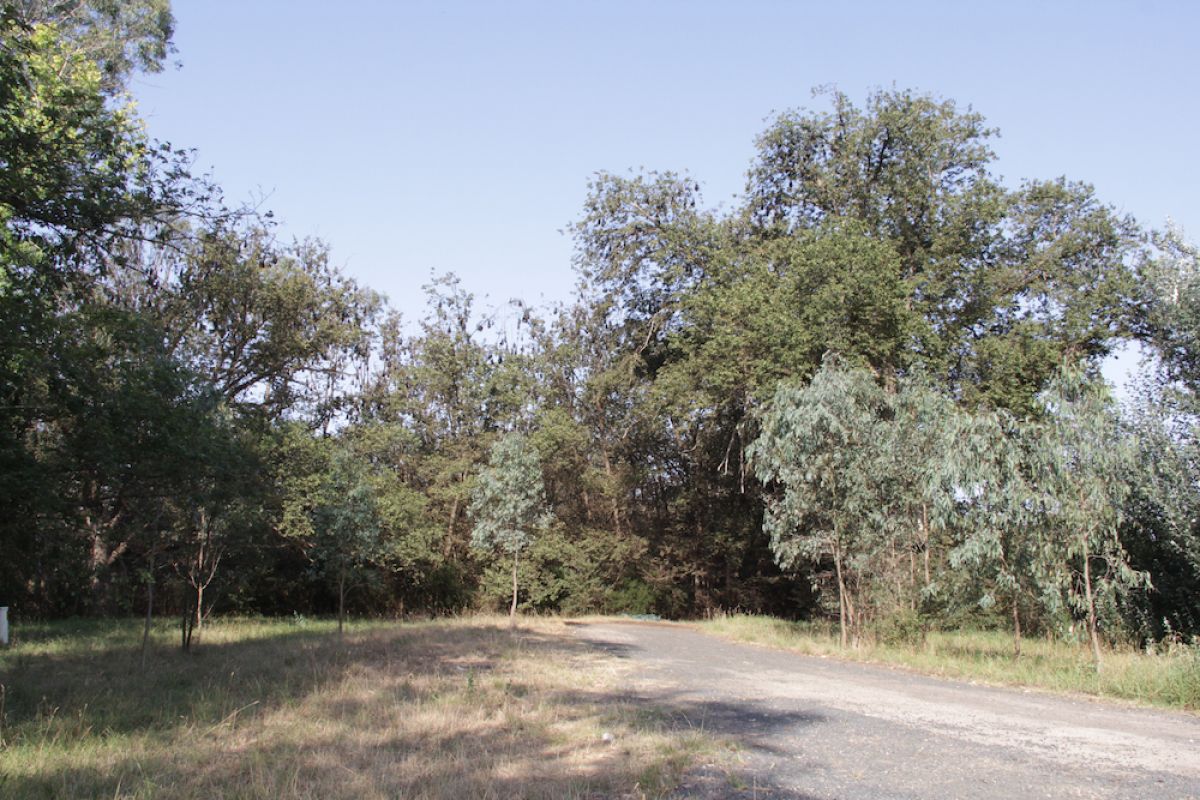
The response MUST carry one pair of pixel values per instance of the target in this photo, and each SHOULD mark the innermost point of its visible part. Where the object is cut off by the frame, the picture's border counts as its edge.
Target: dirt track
(817, 728)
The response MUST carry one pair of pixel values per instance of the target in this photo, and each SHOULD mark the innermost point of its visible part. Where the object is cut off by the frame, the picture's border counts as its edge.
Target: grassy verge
(1169, 679)
(268, 709)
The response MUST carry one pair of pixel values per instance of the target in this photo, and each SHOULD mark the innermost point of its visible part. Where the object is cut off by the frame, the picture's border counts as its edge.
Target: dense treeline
(870, 391)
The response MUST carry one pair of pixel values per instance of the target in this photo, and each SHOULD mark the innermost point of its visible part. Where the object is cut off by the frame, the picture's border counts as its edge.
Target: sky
(419, 138)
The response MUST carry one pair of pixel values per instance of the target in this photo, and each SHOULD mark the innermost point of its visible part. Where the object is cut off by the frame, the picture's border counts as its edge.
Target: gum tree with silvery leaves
(1082, 462)
(508, 503)
(1002, 544)
(916, 510)
(817, 454)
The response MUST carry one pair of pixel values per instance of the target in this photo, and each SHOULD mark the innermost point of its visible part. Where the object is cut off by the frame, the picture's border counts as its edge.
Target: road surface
(806, 727)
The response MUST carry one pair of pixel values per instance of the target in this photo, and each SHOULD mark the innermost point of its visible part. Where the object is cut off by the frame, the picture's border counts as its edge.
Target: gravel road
(808, 727)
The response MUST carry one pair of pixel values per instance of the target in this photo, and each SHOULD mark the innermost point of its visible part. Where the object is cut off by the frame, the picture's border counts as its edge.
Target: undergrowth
(1168, 676)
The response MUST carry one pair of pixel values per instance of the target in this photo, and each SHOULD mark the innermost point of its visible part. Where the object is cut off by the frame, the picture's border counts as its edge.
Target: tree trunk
(101, 558)
(837, 564)
(199, 583)
(898, 575)
(341, 601)
(149, 612)
(185, 627)
(616, 506)
(1093, 634)
(448, 549)
(852, 620)
(912, 576)
(928, 543)
(198, 624)
(1016, 627)
(512, 610)
(587, 505)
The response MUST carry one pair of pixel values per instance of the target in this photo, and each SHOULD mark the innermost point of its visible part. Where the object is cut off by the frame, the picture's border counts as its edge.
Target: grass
(1168, 679)
(269, 709)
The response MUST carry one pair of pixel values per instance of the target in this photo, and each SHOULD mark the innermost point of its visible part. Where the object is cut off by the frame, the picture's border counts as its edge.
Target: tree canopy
(869, 389)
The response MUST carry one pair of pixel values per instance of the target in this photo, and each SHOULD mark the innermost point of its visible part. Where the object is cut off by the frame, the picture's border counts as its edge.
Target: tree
(1172, 278)
(1060, 289)
(1002, 542)
(119, 36)
(508, 503)
(1159, 530)
(916, 508)
(221, 502)
(347, 527)
(89, 395)
(1082, 464)
(818, 446)
(876, 231)
(71, 174)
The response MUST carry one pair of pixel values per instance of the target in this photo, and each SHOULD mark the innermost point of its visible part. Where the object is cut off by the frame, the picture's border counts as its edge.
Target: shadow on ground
(742, 727)
(455, 711)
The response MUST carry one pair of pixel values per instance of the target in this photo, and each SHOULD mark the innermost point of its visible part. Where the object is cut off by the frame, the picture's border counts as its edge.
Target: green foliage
(876, 233)
(119, 36)
(1000, 541)
(508, 503)
(1172, 272)
(1006, 284)
(508, 500)
(268, 326)
(818, 445)
(866, 377)
(72, 160)
(917, 510)
(1158, 530)
(1082, 463)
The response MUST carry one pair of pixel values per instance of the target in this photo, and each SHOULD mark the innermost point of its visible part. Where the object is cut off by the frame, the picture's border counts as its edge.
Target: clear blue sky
(452, 136)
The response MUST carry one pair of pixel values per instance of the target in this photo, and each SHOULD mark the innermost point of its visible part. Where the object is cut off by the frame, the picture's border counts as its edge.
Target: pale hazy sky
(453, 136)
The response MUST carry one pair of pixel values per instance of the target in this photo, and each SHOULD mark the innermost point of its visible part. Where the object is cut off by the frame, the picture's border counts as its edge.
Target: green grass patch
(1168, 677)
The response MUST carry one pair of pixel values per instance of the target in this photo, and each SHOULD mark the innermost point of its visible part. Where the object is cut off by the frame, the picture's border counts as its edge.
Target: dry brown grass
(457, 709)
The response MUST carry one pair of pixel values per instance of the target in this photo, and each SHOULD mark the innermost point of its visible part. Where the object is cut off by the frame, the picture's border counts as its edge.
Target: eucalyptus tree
(917, 509)
(347, 527)
(508, 503)
(1082, 463)
(817, 454)
(1160, 530)
(346, 507)
(1001, 539)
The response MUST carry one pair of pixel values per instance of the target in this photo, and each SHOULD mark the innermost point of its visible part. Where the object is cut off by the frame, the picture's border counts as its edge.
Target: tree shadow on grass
(459, 710)
(107, 690)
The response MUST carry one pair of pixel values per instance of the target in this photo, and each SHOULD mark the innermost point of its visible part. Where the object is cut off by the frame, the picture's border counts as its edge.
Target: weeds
(1168, 677)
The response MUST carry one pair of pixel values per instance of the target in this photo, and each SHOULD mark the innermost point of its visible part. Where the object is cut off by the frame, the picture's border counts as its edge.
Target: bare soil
(805, 727)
